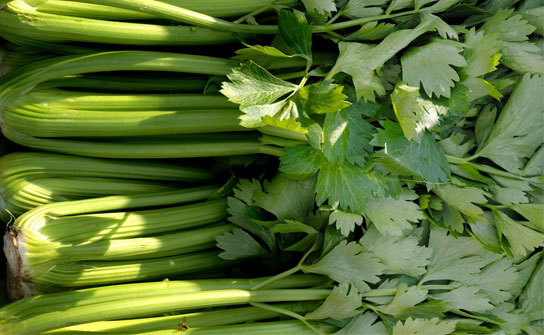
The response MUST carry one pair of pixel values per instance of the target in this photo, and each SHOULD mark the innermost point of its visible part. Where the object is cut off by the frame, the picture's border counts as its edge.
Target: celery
(13, 56)
(52, 235)
(20, 20)
(79, 100)
(40, 304)
(141, 307)
(35, 253)
(261, 328)
(93, 273)
(61, 113)
(127, 224)
(187, 16)
(37, 314)
(33, 179)
(45, 121)
(192, 320)
(151, 147)
(50, 47)
(148, 83)
(218, 8)
(17, 83)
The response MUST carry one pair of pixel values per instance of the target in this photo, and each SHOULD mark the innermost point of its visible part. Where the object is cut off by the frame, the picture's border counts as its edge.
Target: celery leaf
(345, 222)
(424, 327)
(415, 114)
(454, 258)
(399, 254)
(361, 61)
(320, 6)
(322, 97)
(300, 161)
(464, 199)
(431, 65)
(341, 304)
(519, 238)
(393, 216)
(517, 131)
(422, 158)
(251, 84)
(347, 137)
(348, 263)
(296, 32)
(346, 186)
(239, 245)
(287, 199)
(364, 324)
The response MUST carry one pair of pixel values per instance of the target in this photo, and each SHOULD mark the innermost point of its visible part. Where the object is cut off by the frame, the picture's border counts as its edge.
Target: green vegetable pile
(348, 167)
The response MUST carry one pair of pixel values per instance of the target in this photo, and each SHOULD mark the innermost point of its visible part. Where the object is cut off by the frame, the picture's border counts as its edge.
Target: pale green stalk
(149, 147)
(40, 304)
(31, 179)
(218, 8)
(261, 328)
(93, 273)
(21, 21)
(141, 307)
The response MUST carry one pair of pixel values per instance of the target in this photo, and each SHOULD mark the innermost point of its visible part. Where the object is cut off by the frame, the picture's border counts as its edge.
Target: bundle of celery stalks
(349, 167)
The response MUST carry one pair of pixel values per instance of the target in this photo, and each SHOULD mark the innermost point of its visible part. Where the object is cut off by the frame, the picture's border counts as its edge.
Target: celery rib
(141, 307)
(31, 179)
(57, 28)
(260, 328)
(42, 121)
(218, 8)
(92, 273)
(148, 83)
(15, 84)
(139, 148)
(40, 304)
(193, 320)
(79, 100)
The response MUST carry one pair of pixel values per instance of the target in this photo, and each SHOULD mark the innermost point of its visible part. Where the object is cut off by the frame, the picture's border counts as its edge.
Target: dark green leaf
(296, 32)
(424, 158)
(239, 245)
(346, 186)
(301, 161)
(322, 97)
(250, 84)
(287, 199)
(342, 303)
(347, 137)
(348, 263)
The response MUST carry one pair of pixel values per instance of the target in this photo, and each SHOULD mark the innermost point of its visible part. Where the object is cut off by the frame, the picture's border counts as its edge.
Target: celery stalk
(58, 216)
(78, 100)
(17, 83)
(218, 8)
(39, 253)
(149, 147)
(40, 304)
(187, 16)
(54, 234)
(148, 83)
(30, 179)
(141, 307)
(192, 320)
(92, 273)
(45, 121)
(260, 328)
(19, 20)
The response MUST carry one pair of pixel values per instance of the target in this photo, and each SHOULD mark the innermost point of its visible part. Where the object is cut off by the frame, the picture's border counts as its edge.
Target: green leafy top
(418, 161)
(431, 65)
(516, 134)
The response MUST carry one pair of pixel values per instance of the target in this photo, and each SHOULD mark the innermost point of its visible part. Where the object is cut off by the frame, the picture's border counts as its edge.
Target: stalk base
(11, 251)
